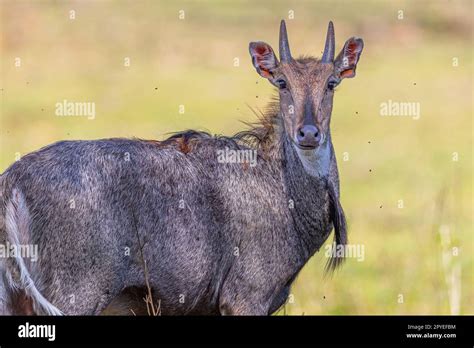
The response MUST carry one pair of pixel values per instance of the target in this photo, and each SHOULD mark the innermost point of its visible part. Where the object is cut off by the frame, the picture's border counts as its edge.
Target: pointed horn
(329, 48)
(285, 54)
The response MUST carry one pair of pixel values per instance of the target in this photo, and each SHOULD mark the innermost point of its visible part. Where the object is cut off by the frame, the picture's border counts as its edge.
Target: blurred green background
(418, 252)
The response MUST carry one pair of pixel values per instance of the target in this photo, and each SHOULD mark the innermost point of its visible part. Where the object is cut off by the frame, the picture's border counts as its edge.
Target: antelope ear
(263, 58)
(346, 62)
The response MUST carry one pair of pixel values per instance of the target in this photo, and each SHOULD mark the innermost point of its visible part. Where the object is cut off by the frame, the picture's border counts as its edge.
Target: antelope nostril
(308, 136)
(308, 132)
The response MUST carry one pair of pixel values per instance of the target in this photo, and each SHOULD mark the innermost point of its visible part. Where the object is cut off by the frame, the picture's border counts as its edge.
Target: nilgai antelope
(218, 235)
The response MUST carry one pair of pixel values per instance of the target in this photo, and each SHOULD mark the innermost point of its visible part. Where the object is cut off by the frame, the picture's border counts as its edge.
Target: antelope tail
(18, 274)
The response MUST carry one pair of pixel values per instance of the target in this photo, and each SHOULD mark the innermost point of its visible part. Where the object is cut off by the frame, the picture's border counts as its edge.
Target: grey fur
(218, 238)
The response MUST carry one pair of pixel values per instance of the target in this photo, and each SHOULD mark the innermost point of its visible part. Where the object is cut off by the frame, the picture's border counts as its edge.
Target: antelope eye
(281, 83)
(332, 84)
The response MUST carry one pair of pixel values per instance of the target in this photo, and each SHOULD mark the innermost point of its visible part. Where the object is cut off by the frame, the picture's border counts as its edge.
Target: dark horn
(329, 48)
(285, 54)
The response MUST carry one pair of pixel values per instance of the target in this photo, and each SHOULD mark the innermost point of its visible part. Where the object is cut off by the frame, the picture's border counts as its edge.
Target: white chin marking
(315, 161)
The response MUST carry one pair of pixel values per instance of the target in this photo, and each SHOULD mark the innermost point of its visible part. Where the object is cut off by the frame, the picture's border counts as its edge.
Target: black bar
(289, 330)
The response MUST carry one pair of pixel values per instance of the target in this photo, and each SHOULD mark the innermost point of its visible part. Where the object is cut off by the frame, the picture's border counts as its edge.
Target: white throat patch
(315, 162)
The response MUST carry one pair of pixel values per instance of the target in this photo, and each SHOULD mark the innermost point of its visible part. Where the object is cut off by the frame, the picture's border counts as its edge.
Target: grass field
(406, 183)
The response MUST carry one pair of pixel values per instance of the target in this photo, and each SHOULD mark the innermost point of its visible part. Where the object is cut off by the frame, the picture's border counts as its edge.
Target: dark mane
(259, 134)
